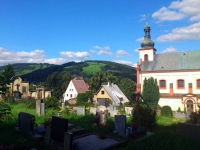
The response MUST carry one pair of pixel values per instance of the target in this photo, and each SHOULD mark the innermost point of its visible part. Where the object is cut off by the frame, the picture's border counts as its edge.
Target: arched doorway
(190, 106)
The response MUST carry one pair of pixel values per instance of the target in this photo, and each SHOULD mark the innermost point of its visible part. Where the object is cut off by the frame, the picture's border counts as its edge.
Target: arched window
(145, 57)
(180, 84)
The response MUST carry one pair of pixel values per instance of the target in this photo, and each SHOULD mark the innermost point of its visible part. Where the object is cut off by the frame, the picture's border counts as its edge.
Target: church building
(178, 74)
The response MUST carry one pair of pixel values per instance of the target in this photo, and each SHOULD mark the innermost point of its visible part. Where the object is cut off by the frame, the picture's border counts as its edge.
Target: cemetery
(73, 127)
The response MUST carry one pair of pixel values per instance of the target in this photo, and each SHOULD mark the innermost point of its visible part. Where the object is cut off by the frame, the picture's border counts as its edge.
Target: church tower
(147, 50)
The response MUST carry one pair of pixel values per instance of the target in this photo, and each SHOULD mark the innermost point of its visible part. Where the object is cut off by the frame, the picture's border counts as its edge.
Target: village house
(178, 74)
(76, 86)
(110, 94)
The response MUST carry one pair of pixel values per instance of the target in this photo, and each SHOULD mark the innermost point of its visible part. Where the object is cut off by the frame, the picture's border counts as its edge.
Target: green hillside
(36, 73)
(24, 68)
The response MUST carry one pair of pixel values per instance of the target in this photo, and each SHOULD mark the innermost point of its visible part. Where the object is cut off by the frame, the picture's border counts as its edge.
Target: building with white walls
(178, 74)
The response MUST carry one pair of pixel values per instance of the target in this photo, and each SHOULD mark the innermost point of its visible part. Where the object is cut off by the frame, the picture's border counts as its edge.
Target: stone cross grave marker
(26, 123)
(120, 124)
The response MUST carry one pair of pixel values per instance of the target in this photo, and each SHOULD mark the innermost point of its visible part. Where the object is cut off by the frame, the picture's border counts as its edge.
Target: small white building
(75, 87)
(178, 74)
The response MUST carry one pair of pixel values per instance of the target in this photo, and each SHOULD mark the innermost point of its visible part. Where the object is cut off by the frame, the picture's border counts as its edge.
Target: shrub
(144, 116)
(31, 104)
(51, 102)
(5, 109)
(166, 111)
(179, 109)
(83, 97)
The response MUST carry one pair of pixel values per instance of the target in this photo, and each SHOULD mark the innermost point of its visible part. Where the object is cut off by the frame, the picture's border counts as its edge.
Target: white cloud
(102, 48)
(122, 53)
(35, 56)
(179, 10)
(140, 39)
(125, 62)
(74, 55)
(170, 49)
(191, 32)
(101, 52)
(57, 61)
(136, 50)
(164, 14)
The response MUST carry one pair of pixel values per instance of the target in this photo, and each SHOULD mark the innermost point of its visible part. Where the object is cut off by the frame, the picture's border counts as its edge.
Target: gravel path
(92, 142)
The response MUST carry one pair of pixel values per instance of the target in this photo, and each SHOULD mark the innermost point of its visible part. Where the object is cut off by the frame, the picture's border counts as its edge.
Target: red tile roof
(80, 85)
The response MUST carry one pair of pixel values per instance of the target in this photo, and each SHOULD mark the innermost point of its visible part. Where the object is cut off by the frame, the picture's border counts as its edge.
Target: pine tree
(151, 92)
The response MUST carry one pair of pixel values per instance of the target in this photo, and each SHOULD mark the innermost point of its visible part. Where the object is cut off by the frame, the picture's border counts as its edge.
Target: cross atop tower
(146, 18)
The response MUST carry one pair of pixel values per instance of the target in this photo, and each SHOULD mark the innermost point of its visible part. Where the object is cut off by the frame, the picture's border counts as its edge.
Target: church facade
(178, 74)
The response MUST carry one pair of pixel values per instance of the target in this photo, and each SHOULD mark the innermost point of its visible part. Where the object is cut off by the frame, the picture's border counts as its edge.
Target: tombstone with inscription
(120, 124)
(26, 123)
(58, 134)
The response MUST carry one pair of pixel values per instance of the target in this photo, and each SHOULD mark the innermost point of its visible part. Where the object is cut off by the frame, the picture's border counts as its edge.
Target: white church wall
(173, 103)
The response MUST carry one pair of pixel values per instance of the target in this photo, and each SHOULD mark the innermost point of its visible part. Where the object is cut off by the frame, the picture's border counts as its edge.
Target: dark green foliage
(151, 92)
(5, 109)
(128, 87)
(51, 103)
(166, 111)
(31, 104)
(144, 116)
(179, 109)
(97, 80)
(83, 98)
(57, 83)
(5, 77)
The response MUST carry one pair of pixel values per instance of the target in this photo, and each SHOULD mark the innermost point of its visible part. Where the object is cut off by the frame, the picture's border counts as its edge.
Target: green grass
(164, 137)
(92, 68)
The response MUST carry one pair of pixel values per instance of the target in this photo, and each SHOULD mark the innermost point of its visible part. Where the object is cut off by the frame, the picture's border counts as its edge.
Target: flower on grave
(134, 126)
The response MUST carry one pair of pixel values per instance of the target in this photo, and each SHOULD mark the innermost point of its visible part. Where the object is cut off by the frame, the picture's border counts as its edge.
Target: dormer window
(145, 57)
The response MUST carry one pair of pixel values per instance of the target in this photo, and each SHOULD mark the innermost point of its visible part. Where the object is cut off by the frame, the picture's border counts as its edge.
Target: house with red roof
(76, 86)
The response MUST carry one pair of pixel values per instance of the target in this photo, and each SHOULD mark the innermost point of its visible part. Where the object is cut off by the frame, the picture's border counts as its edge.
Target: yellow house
(110, 94)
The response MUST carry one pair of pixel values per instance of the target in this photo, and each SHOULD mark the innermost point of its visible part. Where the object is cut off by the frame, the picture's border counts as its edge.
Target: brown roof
(80, 85)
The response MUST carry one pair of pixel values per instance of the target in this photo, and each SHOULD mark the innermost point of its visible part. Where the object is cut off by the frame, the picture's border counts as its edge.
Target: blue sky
(59, 31)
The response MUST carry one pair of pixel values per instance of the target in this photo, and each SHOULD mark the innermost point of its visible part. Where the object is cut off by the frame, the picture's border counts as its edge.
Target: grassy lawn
(164, 135)
(92, 68)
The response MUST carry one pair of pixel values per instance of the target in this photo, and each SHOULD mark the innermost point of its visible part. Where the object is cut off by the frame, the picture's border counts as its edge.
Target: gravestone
(58, 128)
(128, 110)
(40, 107)
(63, 106)
(111, 107)
(26, 123)
(120, 124)
(113, 113)
(93, 110)
(190, 130)
(80, 110)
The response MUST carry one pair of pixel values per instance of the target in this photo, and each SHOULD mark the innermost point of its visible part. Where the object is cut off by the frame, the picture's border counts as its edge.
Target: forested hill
(35, 73)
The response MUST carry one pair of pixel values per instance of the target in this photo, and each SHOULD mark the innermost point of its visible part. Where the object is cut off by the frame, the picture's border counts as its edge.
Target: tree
(151, 92)
(58, 83)
(128, 87)
(5, 77)
(110, 77)
(96, 81)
